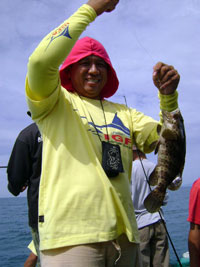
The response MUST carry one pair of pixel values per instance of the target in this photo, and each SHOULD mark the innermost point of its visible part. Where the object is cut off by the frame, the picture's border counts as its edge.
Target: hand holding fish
(101, 6)
(165, 78)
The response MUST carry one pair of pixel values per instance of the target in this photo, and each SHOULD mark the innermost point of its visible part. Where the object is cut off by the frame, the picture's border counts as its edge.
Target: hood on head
(85, 47)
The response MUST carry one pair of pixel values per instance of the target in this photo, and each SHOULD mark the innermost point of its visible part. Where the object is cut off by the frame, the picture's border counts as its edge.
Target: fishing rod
(1, 167)
(164, 224)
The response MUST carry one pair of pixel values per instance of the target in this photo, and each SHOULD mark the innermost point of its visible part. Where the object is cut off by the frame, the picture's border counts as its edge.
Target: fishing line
(142, 46)
(164, 224)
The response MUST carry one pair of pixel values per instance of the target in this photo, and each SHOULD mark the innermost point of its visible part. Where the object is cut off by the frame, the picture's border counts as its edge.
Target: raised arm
(43, 65)
(166, 79)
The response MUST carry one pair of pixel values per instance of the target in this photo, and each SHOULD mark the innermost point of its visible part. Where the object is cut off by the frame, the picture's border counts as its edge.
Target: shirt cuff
(91, 11)
(168, 102)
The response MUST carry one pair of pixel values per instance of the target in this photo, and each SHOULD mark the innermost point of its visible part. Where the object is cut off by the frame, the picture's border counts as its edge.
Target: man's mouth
(92, 81)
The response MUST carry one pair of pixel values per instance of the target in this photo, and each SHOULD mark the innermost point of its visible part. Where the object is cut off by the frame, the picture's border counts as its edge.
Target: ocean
(15, 233)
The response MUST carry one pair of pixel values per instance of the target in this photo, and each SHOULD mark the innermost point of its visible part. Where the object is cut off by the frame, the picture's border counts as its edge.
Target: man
(24, 170)
(153, 238)
(194, 219)
(86, 217)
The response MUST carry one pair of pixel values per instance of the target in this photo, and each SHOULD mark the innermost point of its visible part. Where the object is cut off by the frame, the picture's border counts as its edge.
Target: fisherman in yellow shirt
(86, 216)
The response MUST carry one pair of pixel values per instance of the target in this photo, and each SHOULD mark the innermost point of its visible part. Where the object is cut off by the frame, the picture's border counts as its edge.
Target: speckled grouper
(171, 149)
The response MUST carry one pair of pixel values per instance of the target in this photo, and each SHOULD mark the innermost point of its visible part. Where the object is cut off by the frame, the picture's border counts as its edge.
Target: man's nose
(93, 69)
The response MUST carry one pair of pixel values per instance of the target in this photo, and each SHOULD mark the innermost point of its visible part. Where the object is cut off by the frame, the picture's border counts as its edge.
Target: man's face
(89, 76)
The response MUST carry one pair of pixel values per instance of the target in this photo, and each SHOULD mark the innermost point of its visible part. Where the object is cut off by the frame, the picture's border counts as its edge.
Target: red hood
(83, 48)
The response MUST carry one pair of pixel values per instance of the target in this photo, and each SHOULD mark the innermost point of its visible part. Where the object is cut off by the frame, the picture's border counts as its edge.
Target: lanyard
(93, 120)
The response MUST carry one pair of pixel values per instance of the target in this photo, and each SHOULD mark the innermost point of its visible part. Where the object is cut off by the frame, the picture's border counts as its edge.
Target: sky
(136, 35)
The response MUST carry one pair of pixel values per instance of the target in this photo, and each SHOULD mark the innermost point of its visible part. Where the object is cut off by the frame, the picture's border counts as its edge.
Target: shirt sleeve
(145, 132)
(194, 203)
(168, 103)
(146, 129)
(43, 66)
(18, 167)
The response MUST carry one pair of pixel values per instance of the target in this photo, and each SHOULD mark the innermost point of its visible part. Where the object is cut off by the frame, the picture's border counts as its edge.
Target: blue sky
(136, 35)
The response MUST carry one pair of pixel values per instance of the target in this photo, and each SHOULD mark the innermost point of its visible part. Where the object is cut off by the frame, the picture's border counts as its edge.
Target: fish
(171, 149)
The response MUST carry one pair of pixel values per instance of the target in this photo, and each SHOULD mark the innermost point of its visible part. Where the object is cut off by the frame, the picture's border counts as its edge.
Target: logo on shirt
(121, 133)
(63, 30)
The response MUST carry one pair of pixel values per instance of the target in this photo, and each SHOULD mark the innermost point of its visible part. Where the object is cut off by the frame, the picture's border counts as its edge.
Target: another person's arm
(194, 219)
(194, 244)
(19, 167)
(31, 261)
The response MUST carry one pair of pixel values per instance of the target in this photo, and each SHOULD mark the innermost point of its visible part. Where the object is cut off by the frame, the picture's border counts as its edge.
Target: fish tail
(154, 200)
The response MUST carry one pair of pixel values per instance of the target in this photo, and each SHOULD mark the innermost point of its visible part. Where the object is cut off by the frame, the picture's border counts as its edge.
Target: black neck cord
(104, 118)
(93, 120)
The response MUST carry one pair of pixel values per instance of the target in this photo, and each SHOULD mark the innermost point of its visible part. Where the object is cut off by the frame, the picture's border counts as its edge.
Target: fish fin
(168, 134)
(153, 178)
(154, 200)
(175, 184)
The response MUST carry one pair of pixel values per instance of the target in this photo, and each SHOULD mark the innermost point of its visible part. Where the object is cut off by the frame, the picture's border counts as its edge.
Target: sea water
(15, 233)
